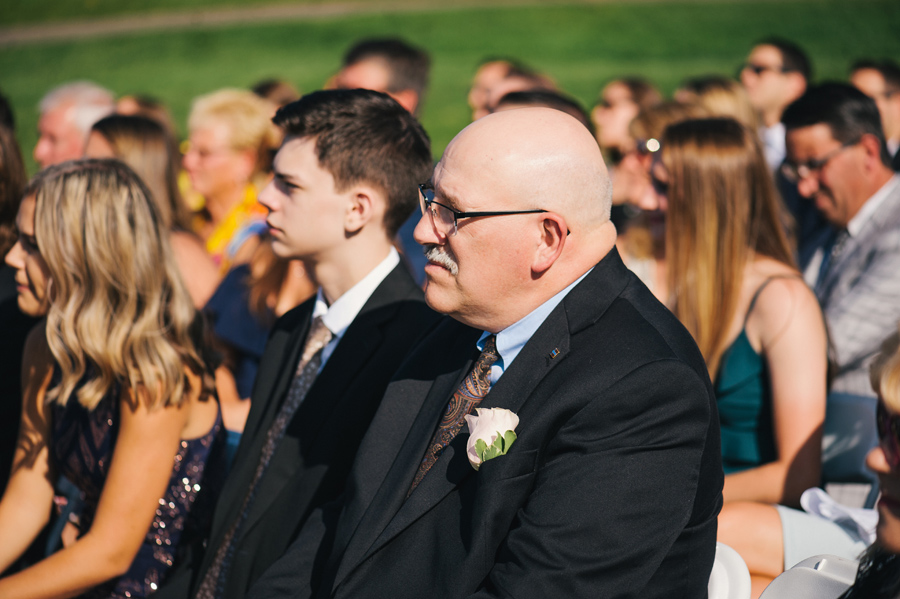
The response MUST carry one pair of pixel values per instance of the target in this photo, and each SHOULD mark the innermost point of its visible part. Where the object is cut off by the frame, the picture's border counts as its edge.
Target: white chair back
(730, 578)
(819, 577)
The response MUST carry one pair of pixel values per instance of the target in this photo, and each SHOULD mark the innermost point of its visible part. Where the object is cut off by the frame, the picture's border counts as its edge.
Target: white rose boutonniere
(491, 434)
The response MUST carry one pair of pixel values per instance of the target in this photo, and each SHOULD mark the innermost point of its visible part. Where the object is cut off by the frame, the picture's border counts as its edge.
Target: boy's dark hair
(364, 136)
(848, 112)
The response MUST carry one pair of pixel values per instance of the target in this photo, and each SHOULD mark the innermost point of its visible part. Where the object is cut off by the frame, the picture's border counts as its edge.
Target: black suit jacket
(311, 463)
(611, 490)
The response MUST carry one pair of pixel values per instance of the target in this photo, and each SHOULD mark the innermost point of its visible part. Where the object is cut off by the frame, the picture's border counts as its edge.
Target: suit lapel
(389, 513)
(857, 246)
(277, 367)
(410, 412)
(511, 392)
(361, 339)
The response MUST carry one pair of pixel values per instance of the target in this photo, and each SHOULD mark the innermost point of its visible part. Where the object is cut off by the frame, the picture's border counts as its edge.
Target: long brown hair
(723, 208)
(151, 152)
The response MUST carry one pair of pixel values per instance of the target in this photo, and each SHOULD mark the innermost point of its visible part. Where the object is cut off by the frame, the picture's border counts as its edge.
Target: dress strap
(759, 291)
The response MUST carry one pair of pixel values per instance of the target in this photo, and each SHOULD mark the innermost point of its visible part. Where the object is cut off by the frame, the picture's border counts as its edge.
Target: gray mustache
(439, 255)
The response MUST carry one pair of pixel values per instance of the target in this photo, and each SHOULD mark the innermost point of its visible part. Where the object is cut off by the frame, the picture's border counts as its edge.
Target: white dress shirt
(341, 314)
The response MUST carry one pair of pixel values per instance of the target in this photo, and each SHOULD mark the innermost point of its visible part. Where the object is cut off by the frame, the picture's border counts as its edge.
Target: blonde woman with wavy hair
(116, 389)
(734, 286)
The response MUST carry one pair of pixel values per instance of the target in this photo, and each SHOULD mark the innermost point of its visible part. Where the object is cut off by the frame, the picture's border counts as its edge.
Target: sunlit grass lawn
(581, 46)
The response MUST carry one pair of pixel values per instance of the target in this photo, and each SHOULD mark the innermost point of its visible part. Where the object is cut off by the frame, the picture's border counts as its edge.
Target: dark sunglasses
(889, 434)
(759, 69)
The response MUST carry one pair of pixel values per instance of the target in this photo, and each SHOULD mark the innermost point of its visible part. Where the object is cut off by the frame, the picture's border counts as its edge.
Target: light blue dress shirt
(513, 338)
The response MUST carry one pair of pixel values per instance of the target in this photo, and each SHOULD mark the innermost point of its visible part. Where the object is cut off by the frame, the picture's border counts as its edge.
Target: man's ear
(553, 236)
(872, 146)
(406, 98)
(364, 205)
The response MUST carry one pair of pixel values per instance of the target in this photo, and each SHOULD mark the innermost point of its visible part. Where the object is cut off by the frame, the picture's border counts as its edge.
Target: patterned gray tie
(213, 583)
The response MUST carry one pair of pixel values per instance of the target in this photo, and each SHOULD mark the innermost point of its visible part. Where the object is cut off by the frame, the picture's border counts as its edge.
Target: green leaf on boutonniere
(499, 447)
(480, 448)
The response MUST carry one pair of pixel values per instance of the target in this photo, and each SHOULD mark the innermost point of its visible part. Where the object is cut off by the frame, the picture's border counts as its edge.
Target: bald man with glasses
(557, 434)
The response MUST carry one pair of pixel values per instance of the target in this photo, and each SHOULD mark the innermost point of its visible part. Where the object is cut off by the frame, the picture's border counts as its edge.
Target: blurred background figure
(232, 142)
(118, 397)
(147, 106)
(517, 77)
(720, 96)
(277, 91)
(776, 73)
(490, 72)
(388, 65)
(880, 80)
(13, 322)
(546, 99)
(400, 70)
(733, 284)
(620, 101)
(642, 234)
(67, 113)
(145, 146)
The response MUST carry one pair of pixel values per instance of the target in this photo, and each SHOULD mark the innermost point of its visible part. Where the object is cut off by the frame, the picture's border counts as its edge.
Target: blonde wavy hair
(723, 208)
(884, 372)
(119, 311)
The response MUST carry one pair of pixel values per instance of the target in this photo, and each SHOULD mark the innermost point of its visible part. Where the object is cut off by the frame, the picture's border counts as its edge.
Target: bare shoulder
(185, 243)
(783, 300)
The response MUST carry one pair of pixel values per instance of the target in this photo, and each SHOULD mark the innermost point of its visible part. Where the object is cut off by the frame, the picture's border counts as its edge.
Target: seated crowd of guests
(248, 306)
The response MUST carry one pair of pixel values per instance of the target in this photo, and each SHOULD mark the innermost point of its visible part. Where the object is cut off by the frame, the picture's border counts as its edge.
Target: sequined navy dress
(82, 448)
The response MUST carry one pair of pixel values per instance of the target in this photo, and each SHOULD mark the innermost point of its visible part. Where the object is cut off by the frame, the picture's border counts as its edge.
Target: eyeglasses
(445, 219)
(759, 69)
(795, 172)
(889, 434)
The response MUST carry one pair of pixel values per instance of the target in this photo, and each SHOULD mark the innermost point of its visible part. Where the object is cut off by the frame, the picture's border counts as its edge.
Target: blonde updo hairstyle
(119, 311)
(249, 121)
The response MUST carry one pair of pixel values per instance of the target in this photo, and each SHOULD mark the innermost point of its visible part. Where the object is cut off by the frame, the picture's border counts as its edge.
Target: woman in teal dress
(734, 286)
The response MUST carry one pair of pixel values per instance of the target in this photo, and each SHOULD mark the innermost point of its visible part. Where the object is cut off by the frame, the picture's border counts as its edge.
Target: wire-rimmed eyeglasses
(796, 172)
(445, 219)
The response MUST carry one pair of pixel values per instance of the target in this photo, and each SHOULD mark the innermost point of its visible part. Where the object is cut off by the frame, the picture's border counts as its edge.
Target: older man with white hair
(67, 114)
(557, 436)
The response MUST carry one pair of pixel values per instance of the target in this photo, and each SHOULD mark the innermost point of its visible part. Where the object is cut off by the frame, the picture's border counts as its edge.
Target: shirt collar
(343, 311)
(513, 338)
(871, 206)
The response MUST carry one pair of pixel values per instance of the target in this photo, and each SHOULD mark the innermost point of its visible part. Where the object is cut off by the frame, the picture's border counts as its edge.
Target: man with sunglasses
(613, 481)
(775, 74)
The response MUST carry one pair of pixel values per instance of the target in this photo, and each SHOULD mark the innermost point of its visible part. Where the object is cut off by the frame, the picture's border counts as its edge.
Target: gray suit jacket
(860, 295)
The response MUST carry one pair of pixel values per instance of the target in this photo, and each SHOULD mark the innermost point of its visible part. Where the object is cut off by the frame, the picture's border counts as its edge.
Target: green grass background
(581, 46)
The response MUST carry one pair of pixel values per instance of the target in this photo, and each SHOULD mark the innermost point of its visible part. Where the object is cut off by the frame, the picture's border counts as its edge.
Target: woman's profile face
(884, 460)
(32, 274)
(213, 166)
